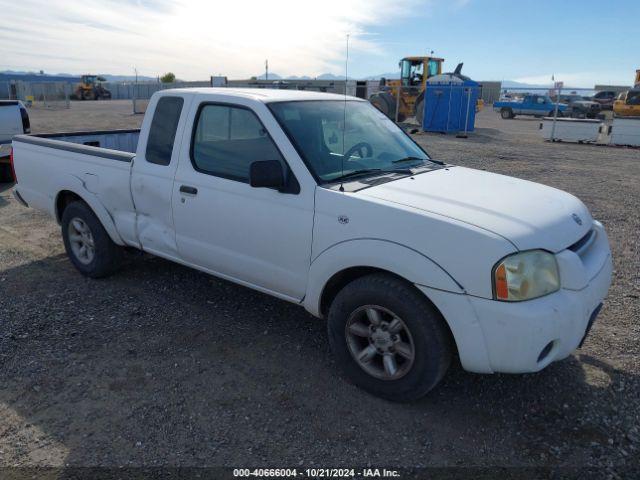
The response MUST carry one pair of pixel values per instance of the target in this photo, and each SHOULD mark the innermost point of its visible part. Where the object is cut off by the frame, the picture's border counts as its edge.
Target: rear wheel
(388, 338)
(5, 173)
(506, 113)
(87, 243)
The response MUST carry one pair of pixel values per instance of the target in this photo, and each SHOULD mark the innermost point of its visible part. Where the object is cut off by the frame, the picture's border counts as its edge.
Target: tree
(168, 77)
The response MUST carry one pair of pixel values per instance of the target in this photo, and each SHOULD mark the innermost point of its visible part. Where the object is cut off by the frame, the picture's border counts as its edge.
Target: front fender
(74, 184)
(385, 255)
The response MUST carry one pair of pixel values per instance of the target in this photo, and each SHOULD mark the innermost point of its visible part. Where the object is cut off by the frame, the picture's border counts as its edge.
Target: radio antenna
(344, 113)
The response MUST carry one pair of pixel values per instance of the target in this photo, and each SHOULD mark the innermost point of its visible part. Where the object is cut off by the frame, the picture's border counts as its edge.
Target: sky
(582, 42)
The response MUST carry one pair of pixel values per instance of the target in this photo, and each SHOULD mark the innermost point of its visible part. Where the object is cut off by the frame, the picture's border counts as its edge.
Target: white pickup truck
(322, 201)
(14, 120)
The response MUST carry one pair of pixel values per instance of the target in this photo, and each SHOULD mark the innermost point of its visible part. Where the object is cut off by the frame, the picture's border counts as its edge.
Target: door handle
(188, 189)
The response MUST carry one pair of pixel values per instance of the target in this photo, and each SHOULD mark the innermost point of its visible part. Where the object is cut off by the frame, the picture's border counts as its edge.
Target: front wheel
(388, 338)
(87, 243)
(506, 113)
(5, 173)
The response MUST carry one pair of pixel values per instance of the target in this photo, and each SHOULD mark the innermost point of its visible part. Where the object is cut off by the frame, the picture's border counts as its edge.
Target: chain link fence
(51, 95)
(142, 92)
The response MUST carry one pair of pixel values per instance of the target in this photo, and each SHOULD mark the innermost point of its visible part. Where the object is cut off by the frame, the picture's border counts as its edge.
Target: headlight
(525, 275)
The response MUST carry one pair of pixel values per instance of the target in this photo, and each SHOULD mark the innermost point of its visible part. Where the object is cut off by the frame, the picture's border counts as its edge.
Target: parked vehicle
(536, 105)
(605, 99)
(14, 120)
(91, 87)
(409, 259)
(627, 104)
(578, 107)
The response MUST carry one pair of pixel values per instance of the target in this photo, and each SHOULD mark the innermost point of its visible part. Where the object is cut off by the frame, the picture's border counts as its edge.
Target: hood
(527, 214)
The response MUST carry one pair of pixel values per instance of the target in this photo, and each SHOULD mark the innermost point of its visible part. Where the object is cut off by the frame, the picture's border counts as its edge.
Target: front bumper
(516, 334)
(521, 337)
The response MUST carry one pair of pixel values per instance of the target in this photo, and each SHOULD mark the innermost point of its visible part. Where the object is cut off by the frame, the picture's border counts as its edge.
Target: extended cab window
(163, 130)
(228, 140)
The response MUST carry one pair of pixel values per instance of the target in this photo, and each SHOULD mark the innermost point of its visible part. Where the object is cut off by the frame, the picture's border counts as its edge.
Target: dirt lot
(161, 365)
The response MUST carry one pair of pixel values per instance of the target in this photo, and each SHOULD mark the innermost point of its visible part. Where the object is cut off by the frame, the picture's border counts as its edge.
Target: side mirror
(267, 174)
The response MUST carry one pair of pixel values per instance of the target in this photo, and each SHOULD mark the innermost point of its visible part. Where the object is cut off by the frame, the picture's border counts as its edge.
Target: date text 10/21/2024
(316, 473)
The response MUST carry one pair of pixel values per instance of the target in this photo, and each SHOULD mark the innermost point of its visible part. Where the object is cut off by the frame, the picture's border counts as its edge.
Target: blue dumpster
(450, 104)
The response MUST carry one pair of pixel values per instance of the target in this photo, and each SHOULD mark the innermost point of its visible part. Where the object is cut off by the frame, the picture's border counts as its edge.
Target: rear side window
(163, 130)
(228, 139)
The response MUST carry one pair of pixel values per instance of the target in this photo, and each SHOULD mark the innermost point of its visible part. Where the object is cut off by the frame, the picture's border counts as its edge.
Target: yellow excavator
(414, 73)
(91, 88)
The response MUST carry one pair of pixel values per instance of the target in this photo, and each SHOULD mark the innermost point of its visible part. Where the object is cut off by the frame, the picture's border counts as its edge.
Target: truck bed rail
(87, 143)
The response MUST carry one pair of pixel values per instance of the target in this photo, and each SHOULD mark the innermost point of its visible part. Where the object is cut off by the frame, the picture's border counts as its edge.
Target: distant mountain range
(512, 84)
(109, 78)
(325, 76)
(388, 75)
(272, 76)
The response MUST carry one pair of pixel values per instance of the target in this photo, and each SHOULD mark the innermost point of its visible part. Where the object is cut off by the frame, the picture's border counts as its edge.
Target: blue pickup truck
(536, 105)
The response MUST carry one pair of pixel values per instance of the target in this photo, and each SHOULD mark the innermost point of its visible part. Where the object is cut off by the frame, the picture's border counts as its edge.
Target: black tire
(5, 173)
(506, 113)
(420, 110)
(107, 256)
(384, 102)
(429, 333)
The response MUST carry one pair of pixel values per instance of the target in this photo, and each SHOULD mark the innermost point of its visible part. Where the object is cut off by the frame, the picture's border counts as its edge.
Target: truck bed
(96, 164)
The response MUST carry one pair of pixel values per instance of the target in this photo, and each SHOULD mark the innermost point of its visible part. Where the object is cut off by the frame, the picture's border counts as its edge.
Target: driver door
(255, 236)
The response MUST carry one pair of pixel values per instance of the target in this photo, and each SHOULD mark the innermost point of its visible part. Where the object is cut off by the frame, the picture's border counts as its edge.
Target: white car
(322, 201)
(14, 120)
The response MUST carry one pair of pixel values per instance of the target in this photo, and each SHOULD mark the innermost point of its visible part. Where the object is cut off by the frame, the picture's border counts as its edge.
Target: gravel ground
(160, 365)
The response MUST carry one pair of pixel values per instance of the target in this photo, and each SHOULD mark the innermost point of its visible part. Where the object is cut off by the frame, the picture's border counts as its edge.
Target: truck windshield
(337, 138)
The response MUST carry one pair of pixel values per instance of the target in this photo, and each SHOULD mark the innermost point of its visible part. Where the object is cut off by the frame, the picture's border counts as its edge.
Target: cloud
(192, 38)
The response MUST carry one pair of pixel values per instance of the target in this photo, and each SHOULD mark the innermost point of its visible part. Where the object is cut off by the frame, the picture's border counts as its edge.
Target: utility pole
(135, 91)
(558, 88)
(266, 69)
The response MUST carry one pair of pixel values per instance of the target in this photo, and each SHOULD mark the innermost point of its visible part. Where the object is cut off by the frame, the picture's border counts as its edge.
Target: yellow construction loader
(91, 88)
(414, 73)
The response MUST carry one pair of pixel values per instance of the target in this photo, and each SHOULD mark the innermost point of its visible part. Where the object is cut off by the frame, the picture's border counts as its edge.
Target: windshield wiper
(409, 159)
(413, 159)
(357, 173)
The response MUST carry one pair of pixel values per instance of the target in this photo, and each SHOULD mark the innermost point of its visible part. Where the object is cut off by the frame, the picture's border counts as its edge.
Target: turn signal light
(502, 287)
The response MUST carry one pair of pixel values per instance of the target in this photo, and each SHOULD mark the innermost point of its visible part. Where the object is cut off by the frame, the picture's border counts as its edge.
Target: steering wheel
(360, 149)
